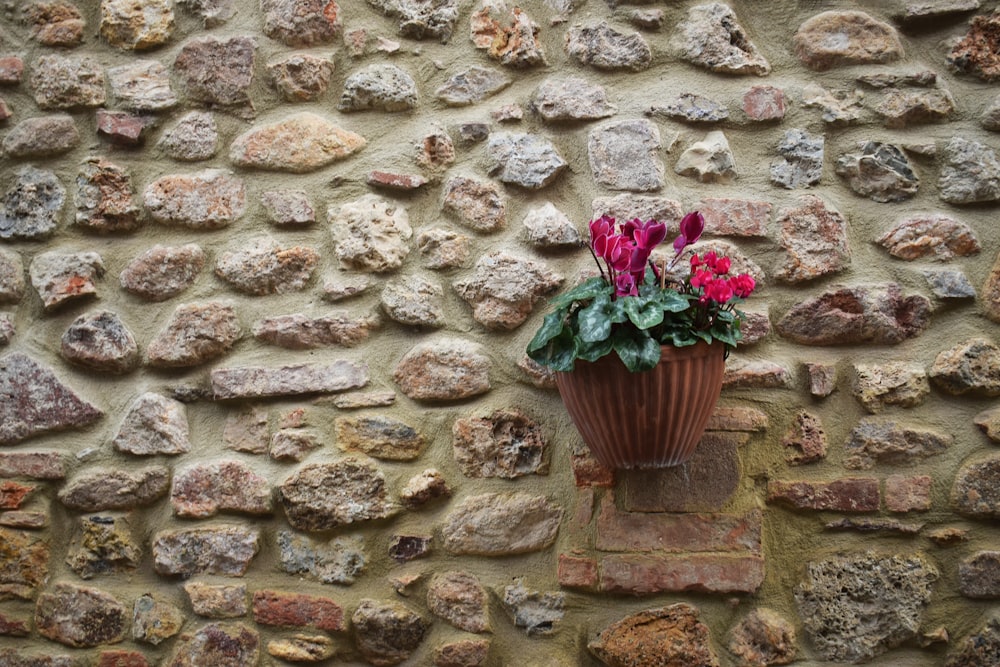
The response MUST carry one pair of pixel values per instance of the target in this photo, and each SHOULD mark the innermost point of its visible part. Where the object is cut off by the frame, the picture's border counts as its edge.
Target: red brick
(908, 494)
(735, 217)
(694, 533)
(13, 494)
(764, 103)
(577, 572)
(705, 573)
(852, 494)
(587, 471)
(584, 508)
(122, 659)
(737, 419)
(36, 465)
(297, 610)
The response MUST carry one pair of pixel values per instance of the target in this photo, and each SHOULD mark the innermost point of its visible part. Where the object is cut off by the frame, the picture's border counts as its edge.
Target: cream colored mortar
(789, 537)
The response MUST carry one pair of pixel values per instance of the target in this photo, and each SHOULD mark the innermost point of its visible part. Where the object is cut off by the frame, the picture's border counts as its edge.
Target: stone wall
(267, 272)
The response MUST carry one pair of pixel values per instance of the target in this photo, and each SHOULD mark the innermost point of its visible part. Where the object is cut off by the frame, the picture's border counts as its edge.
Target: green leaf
(552, 326)
(594, 323)
(559, 353)
(588, 289)
(645, 313)
(637, 351)
(672, 302)
(594, 351)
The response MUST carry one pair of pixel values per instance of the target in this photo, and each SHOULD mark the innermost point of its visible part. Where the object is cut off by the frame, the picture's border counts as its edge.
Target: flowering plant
(635, 305)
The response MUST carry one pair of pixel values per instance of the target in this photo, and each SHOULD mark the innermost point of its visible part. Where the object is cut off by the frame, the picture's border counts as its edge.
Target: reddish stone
(764, 103)
(904, 493)
(5, 111)
(297, 610)
(577, 572)
(759, 374)
(392, 181)
(806, 440)
(822, 379)
(737, 419)
(24, 519)
(13, 627)
(977, 52)
(35, 465)
(706, 573)
(11, 70)
(677, 532)
(588, 471)
(121, 659)
(851, 494)
(13, 494)
(120, 127)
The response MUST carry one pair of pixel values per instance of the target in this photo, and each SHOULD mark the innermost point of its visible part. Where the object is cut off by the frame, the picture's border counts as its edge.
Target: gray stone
(692, 108)
(371, 234)
(105, 198)
(479, 205)
(495, 524)
(873, 442)
(10, 657)
(949, 284)
(602, 47)
(903, 108)
(7, 328)
(262, 266)
(219, 549)
(418, 19)
(976, 490)
(838, 38)
(79, 616)
(37, 402)
(301, 22)
(163, 272)
(379, 87)
(460, 599)
(472, 85)
(300, 77)
(624, 155)
(443, 248)
(839, 106)
(104, 489)
(154, 424)
(195, 333)
(504, 289)
(571, 99)
(508, 444)
(970, 367)
(932, 12)
(414, 301)
(217, 73)
(711, 37)
(527, 160)
(203, 490)
(801, 163)
(988, 422)
(288, 208)
(60, 278)
(321, 496)
(42, 136)
(300, 332)
(30, 208)
(300, 143)
(709, 160)
(763, 638)
(216, 644)
(101, 342)
(386, 633)
(644, 207)
(936, 236)
(60, 82)
(143, 85)
(292, 444)
(338, 561)
(154, 621)
(210, 199)
(548, 228)
(878, 385)
(857, 607)
(137, 27)
(103, 545)
(294, 380)
(380, 437)
(880, 172)
(192, 138)
(979, 575)
(991, 116)
(970, 172)
(11, 276)
(534, 612)
(814, 236)
(980, 649)
(33, 465)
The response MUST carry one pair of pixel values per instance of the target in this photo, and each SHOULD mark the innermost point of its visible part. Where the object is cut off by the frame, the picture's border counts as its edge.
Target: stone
(291, 445)
(192, 138)
(217, 600)
(163, 272)
(143, 85)
(195, 333)
(421, 20)
(11, 70)
(888, 592)
(395, 182)
(154, 424)
(880, 171)
(462, 653)
(33, 465)
(478, 205)
(934, 236)
(300, 332)
(353, 400)
(414, 301)
(443, 248)
(628, 206)
(203, 490)
(840, 106)
(246, 431)
(54, 23)
(278, 608)
(299, 143)
(302, 648)
(42, 136)
(879, 526)
(219, 549)
(872, 442)
(549, 228)
(974, 492)
(571, 99)
(763, 637)
(801, 163)
(659, 637)
(337, 561)
(600, 46)
(711, 37)
(436, 151)
(17, 658)
(508, 444)
(222, 645)
(31, 206)
(806, 441)
(13, 627)
(103, 489)
(292, 380)
(979, 575)
(991, 292)
(6, 328)
(839, 38)
(709, 160)
(851, 494)
(321, 496)
(209, 199)
(970, 172)
(443, 370)
(24, 564)
(903, 108)
(471, 86)
(370, 234)
(59, 82)
(970, 367)
(383, 87)
(878, 314)
(423, 488)
(624, 155)
(12, 495)
(260, 266)
(101, 342)
(526, 160)
(504, 289)
(877, 386)
(764, 103)
(404, 548)
(105, 198)
(514, 45)
(979, 649)
(380, 437)
(61, 278)
(988, 422)
(301, 22)
(217, 73)
(908, 493)
(460, 599)
(80, 616)
(11, 276)
(386, 633)
(929, 13)
(37, 402)
(975, 53)
(300, 77)
(122, 128)
(127, 25)
(534, 612)
(103, 545)
(493, 524)
(473, 133)
(288, 208)
(154, 621)
(691, 108)
(760, 374)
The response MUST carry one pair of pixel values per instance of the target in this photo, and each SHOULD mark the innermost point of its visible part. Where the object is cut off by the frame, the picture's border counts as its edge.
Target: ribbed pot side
(652, 419)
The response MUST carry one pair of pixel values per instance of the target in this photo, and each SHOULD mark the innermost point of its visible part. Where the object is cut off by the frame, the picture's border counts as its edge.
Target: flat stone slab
(293, 380)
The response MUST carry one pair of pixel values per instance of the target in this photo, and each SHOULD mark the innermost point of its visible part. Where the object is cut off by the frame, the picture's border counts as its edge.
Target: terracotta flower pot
(652, 419)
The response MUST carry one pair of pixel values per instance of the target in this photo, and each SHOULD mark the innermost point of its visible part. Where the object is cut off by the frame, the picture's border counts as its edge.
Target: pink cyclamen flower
(625, 285)
(719, 291)
(722, 266)
(650, 234)
(692, 225)
(743, 285)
